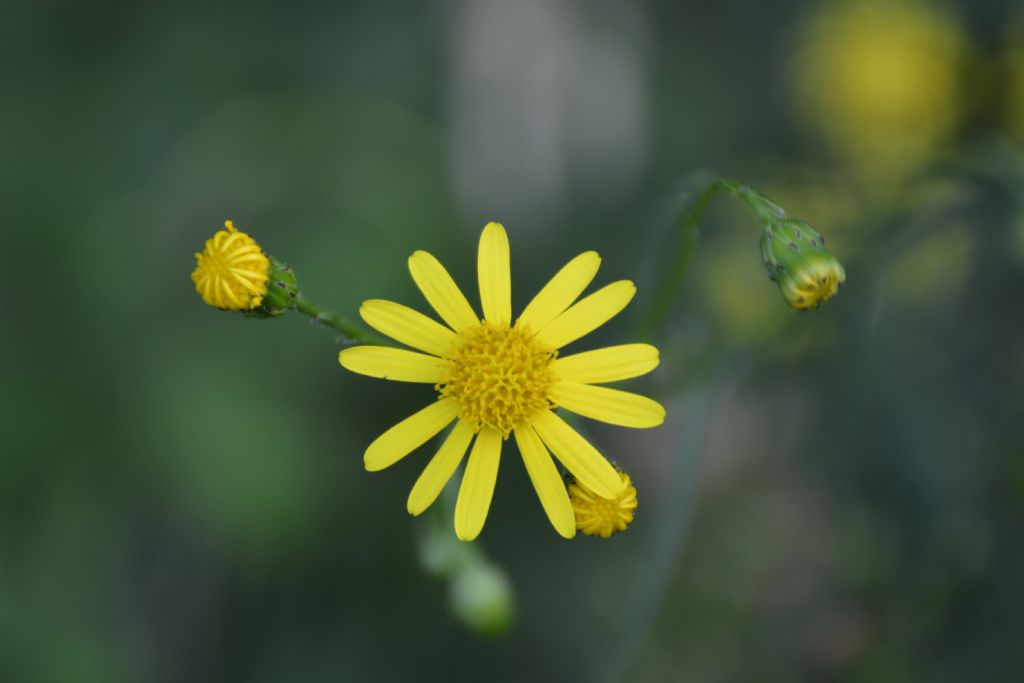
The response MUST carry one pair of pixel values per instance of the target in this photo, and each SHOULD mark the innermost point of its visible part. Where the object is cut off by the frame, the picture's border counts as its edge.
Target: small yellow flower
(600, 516)
(232, 271)
(497, 378)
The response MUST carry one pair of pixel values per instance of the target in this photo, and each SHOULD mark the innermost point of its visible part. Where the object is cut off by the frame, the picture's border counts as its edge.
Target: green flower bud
(797, 260)
(282, 292)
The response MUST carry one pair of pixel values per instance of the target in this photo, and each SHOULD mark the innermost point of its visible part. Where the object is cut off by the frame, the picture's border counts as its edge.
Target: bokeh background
(837, 495)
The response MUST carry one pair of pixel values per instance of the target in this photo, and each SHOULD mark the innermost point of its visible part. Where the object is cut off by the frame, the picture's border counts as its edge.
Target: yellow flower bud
(232, 271)
(597, 516)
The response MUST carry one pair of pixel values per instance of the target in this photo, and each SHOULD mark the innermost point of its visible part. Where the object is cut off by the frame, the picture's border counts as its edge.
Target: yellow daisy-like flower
(497, 378)
(600, 516)
(232, 271)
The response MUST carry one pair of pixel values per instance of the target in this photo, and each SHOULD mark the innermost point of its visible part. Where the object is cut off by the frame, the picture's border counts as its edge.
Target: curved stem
(689, 218)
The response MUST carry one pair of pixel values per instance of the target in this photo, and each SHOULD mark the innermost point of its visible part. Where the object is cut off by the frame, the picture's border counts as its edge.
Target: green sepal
(282, 292)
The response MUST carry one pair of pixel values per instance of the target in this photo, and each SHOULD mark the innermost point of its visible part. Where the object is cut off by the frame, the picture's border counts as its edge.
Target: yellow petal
(588, 314)
(477, 485)
(410, 327)
(410, 434)
(493, 271)
(547, 482)
(578, 456)
(394, 364)
(608, 405)
(609, 364)
(559, 293)
(440, 469)
(441, 291)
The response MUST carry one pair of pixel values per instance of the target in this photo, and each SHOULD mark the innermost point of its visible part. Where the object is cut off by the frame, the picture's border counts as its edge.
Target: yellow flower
(881, 78)
(1014, 67)
(497, 378)
(603, 516)
(232, 271)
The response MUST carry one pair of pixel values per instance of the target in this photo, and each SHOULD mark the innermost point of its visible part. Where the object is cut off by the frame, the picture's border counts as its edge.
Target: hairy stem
(350, 332)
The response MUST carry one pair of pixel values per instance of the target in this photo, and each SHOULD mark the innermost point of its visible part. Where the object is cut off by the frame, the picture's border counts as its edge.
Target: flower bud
(481, 598)
(598, 516)
(796, 259)
(232, 271)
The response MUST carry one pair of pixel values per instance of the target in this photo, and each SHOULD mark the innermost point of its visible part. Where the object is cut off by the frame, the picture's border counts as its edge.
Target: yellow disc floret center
(500, 377)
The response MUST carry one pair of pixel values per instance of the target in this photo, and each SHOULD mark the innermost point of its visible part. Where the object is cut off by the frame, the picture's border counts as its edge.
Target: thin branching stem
(689, 219)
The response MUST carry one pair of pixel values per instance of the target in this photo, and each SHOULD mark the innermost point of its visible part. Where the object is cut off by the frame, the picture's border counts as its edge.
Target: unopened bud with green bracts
(797, 260)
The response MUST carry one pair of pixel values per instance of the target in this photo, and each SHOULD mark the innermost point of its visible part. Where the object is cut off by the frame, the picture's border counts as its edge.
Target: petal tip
(364, 309)
(417, 256)
(661, 417)
(372, 460)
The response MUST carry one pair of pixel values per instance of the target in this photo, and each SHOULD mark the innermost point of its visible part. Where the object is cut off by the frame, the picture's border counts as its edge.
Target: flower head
(498, 378)
(796, 258)
(603, 516)
(232, 271)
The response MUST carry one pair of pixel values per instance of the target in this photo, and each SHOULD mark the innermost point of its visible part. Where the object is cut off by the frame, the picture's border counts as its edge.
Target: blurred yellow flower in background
(1014, 68)
(497, 378)
(880, 78)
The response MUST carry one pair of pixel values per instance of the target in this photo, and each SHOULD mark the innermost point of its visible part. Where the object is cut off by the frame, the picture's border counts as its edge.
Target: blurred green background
(837, 495)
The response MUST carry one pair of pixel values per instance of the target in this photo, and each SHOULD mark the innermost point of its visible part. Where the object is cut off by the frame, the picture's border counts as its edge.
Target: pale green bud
(481, 597)
(797, 260)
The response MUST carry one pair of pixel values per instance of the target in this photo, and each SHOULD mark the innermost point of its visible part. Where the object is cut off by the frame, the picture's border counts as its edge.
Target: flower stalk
(349, 332)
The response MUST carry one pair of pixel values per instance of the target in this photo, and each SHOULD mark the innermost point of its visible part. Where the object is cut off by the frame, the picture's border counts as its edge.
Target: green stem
(689, 218)
(350, 332)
